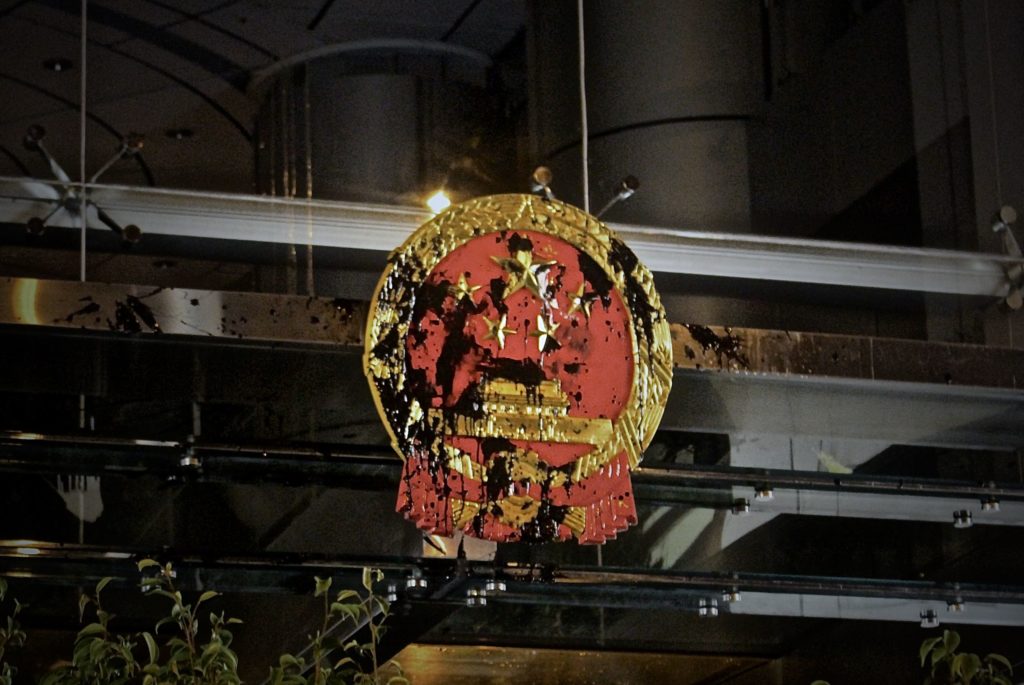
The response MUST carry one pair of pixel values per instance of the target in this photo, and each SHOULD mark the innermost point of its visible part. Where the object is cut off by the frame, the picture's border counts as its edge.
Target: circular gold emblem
(521, 360)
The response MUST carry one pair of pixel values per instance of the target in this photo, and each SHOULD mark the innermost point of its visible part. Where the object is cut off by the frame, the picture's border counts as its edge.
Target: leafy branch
(334, 660)
(962, 668)
(188, 661)
(11, 635)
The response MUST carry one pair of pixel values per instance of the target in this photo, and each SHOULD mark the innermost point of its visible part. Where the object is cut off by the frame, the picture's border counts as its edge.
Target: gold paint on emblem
(523, 272)
(463, 289)
(513, 411)
(545, 332)
(517, 510)
(463, 512)
(580, 301)
(410, 265)
(497, 330)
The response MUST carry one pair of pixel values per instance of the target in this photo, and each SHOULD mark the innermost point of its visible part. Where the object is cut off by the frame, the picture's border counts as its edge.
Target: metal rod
(20, 451)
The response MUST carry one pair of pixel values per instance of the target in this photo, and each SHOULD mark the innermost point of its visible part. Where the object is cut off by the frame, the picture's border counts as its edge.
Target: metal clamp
(73, 200)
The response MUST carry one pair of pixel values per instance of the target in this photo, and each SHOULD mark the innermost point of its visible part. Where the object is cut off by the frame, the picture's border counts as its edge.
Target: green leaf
(234, 620)
(154, 651)
(322, 585)
(83, 602)
(162, 622)
(927, 646)
(344, 661)
(102, 584)
(971, 666)
(347, 594)
(951, 640)
(367, 578)
(146, 563)
(999, 658)
(938, 654)
(91, 629)
(209, 594)
(399, 680)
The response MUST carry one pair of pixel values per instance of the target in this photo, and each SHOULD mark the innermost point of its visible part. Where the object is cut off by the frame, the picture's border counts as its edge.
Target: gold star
(463, 289)
(523, 272)
(545, 332)
(581, 302)
(497, 330)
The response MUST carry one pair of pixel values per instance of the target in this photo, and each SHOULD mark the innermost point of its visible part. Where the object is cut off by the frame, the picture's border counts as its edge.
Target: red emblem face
(507, 358)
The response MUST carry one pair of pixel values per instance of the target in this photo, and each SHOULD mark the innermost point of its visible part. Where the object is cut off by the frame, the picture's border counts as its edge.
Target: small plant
(100, 657)
(334, 661)
(189, 662)
(962, 668)
(11, 635)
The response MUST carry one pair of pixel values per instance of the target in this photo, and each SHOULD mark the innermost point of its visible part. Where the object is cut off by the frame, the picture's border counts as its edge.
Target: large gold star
(545, 332)
(523, 272)
(463, 289)
(580, 301)
(497, 330)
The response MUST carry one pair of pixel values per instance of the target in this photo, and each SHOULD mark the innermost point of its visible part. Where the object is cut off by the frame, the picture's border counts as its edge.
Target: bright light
(28, 551)
(438, 202)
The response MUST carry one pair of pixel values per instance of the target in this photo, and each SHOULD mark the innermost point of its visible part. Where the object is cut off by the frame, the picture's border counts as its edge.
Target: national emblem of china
(521, 360)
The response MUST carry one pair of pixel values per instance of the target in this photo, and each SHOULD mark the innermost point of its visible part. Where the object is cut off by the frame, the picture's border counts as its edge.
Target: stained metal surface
(177, 311)
(300, 319)
(792, 353)
(381, 228)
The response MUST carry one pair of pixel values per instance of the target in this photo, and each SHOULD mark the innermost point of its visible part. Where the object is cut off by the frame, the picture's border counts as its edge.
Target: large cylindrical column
(378, 121)
(670, 86)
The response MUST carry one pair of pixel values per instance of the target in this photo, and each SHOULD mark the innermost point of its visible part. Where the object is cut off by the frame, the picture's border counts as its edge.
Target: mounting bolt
(35, 226)
(707, 608)
(741, 506)
(929, 619)
(956, 606)
(33, 136)
(494, 585)
(416, 582)
(131, 234)
(476, 598)
(990, 504)
(731, 595)
(392, 593)
(764, 494)
(963, 519)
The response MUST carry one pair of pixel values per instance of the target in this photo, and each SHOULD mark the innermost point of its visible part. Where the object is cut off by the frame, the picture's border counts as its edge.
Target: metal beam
(896, 412)
(793, 492)
(300, 319)
(729, 593)
(382, 228)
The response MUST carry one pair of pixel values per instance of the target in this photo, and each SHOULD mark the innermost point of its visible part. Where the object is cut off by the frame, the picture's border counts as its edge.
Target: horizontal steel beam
(213, 314)
(382, 228)
(301, 320)
(716, 487)
(729, 593)
(896, 412)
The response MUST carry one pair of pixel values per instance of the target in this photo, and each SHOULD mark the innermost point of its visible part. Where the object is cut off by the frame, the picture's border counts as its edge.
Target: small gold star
(497, 330)
(545, 332)
(581, 302)
(463, 289)
(523, 272)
